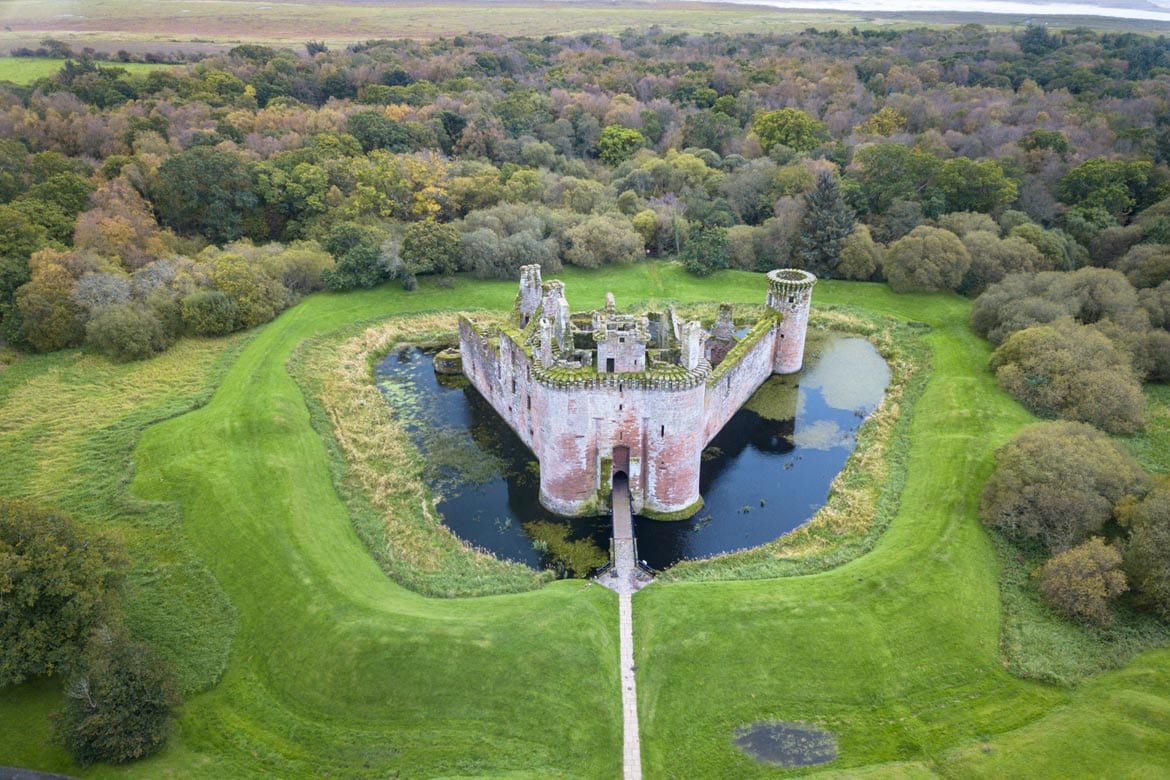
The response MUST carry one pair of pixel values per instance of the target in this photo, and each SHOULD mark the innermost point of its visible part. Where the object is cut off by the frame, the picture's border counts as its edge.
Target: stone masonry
(602, 393)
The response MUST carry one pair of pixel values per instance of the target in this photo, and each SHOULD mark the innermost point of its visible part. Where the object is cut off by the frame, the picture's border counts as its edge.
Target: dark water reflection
(767, 472)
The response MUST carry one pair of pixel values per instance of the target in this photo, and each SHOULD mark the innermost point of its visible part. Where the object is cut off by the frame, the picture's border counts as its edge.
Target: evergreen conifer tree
(827, 222)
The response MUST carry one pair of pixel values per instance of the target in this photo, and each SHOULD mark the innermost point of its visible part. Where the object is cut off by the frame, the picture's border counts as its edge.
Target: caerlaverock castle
(602, 394)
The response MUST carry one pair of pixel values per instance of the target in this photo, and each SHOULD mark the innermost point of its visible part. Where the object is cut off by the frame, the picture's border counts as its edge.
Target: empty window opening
(792, 299)
(662, 431)
(530, 403)
(609, 365)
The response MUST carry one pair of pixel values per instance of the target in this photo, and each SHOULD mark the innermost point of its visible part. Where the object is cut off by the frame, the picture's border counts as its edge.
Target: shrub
(1057, 483)
(209, 313)
(120, 703)
(927, 259)
(127, 332)
(1071, 371)
(1147, 552)
(57, 581)
(1080, 582)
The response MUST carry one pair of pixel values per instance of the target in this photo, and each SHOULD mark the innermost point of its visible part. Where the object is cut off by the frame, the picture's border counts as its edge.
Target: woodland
(1013, 182)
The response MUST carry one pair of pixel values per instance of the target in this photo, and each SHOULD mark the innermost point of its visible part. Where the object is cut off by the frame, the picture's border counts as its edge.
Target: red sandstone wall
(790, 349)
(731, 391)
(580, 427)
(571, 431)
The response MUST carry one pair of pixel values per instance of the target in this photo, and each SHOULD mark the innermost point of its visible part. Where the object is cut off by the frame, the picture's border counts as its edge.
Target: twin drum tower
(599, 395)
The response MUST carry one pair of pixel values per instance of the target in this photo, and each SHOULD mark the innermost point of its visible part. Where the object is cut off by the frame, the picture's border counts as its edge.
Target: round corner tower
(790, 293)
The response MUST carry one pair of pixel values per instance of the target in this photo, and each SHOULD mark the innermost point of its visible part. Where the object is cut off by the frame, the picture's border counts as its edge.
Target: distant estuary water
(1153, 10)
(767, 472)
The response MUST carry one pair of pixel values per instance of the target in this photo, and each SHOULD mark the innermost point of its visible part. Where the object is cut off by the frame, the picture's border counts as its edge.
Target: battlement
(603, 393)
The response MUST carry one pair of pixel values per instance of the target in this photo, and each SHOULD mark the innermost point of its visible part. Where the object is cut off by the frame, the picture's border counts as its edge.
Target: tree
(887, 172)
(374, 130)
(57, 581)
(1057, 484)
(789, 127)
(120, 703)
(617, 143)
(967, 185)
(50, 318)
(603, 240)
(257, 295)
(1147, 551)
(861, 256)
(357, 251)
(827, 222)
(706, 250)
(1065, 369)
(204, 191)
(1146, 265)
(1119, 187)
(19, 235)
(209, 313)
(925, 260)
(430, 247)
(1080, 582)
(993, 258)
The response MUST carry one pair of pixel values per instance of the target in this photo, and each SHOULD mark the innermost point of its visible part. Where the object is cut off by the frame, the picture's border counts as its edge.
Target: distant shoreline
(1137, 11)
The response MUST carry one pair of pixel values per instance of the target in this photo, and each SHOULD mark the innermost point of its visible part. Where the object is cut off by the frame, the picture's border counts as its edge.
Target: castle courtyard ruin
(604, 396)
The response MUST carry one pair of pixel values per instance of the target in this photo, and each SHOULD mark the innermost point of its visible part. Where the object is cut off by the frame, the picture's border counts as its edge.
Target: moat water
(766, 473)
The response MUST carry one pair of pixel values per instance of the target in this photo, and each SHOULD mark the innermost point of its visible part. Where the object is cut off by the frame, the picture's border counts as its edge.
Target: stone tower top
(790, 293)
(789, 281)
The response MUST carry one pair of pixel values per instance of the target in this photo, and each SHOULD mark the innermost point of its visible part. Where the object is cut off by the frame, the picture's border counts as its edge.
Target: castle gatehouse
(602, 394)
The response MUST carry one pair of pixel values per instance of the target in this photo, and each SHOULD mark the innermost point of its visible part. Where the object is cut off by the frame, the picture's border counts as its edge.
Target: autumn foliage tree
(1080, 582)
(1072, 371)
(1058, 483)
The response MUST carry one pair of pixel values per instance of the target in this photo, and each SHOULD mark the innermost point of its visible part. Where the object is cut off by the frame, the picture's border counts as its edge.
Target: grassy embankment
(334, 668)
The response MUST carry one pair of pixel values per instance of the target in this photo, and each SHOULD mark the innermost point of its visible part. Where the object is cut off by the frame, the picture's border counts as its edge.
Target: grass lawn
(26, 70)
(326, 666)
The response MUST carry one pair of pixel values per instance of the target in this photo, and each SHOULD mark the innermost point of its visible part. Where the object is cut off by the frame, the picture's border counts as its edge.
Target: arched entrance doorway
(621, 462)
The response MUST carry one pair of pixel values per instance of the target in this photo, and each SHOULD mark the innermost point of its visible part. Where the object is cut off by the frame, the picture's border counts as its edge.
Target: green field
(26, 70)
(112, 25)
(248, 572)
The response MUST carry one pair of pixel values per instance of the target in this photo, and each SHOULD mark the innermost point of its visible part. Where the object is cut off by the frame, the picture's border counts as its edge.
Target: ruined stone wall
(502, 373)
(733, 384)
(580, 422)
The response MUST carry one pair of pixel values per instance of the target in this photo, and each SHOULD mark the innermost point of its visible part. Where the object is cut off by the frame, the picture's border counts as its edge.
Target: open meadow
(210, 25)
(300, 658)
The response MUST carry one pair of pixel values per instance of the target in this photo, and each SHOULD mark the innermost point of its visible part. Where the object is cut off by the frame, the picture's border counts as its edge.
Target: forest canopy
(139, 207)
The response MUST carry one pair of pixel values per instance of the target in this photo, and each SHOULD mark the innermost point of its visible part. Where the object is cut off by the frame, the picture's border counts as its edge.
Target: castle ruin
(602, 394)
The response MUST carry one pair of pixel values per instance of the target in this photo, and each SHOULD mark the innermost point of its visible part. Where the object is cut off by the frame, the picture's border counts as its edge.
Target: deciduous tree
(57, 581)
(927, 259)
(120, 703)
(1080, 582)
(1058, 483)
